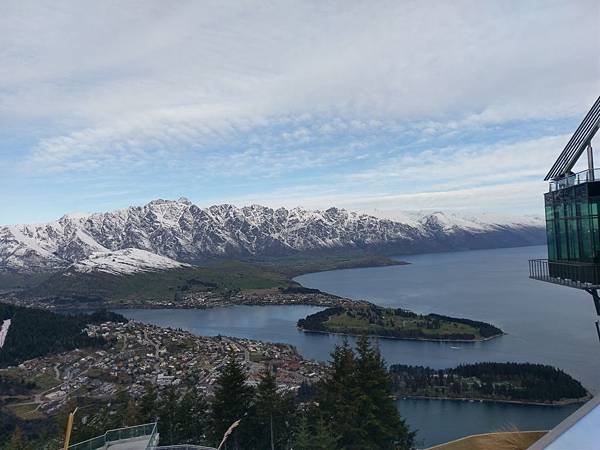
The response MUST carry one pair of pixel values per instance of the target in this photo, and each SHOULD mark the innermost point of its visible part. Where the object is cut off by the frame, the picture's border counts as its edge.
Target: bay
(544, 323)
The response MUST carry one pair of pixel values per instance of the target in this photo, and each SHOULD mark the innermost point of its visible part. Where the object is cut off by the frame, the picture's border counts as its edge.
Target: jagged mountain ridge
(182, 231)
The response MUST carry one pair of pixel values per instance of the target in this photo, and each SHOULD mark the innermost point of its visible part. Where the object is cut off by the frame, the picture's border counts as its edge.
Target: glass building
(572, 206)
(573, 229)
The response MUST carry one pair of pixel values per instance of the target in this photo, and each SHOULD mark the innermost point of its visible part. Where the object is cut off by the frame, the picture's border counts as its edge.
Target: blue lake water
(545, 323)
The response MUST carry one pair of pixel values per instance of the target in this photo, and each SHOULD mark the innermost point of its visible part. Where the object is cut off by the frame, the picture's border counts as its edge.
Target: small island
(396, 323)
(489, 381)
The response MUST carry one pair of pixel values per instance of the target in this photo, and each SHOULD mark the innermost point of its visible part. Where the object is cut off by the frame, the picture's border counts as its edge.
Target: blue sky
(372, 106)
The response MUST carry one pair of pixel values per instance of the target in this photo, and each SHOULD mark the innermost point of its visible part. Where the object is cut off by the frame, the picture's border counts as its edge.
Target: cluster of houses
(138, 354)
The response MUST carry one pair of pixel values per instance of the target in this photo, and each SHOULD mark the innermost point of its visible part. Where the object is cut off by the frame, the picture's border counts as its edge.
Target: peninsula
(372, 320)
(489, 381)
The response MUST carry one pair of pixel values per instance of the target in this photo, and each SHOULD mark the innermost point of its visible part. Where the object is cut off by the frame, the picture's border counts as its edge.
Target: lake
(545, 323)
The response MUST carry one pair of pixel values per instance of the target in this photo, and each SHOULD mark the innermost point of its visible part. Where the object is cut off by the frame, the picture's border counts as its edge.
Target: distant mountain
(184, 232)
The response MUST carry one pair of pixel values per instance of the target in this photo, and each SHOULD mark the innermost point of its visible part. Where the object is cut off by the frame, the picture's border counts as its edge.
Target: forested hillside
(37, 332)
(524, 382)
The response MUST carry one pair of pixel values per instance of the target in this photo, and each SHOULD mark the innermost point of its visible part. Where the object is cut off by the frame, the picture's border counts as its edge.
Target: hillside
(522, 382)
(30, 333)
(100, 285)
(184, 232)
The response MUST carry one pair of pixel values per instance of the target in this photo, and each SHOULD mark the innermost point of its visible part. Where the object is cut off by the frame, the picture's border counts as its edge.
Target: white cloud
(377, 93)
(114, 76)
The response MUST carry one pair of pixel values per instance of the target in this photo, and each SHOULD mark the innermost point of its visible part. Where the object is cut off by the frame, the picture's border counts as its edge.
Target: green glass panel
(595, 237)
(573, 239)
(551, 238)
(586, 245)
(562, 247)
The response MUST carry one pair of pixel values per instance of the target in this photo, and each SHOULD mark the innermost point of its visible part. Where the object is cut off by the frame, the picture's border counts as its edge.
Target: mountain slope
(124, 262)
(185, 232)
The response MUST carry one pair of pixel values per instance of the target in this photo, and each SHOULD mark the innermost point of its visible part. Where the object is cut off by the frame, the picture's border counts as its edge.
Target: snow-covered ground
(4, 331)
(127, 261)
(452, 220)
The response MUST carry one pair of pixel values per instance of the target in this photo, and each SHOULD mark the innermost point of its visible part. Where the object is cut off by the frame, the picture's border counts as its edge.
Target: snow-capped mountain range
(184, 232)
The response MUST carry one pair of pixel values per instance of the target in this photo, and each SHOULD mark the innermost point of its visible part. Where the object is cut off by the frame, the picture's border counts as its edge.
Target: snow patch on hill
(127, 261)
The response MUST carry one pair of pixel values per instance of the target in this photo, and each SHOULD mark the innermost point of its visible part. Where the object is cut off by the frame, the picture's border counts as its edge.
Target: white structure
(579, 431)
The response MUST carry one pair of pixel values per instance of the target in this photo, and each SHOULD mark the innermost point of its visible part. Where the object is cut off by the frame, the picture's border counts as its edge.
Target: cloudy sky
(445, 105)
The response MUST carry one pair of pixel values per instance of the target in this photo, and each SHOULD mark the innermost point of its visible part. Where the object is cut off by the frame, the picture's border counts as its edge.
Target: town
(140, 354)
(195, 300)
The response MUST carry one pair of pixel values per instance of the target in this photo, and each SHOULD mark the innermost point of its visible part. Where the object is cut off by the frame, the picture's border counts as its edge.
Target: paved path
(133, 444)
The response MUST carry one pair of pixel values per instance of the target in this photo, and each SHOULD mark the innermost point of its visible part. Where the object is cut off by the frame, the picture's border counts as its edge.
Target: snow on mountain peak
(126, 261)
(182, 231)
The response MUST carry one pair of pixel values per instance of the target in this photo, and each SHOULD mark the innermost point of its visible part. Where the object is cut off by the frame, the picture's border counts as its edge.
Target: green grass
(25, 411)
(19, 281)
(371, 319)
(292, 266)
(45, 381)
(370, 325)
(224, 276)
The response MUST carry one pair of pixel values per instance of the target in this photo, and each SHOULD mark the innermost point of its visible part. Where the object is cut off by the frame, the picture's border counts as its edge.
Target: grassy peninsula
(373, 320)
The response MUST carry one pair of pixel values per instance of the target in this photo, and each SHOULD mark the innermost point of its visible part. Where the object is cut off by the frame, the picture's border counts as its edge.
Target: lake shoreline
(565, 402)
(394, 338)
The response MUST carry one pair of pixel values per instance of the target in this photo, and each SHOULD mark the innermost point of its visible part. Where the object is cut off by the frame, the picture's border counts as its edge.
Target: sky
(374, 106)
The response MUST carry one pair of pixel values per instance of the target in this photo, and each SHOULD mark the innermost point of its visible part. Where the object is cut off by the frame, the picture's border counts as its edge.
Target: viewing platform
(140, 437)
(578, 275)
(585, 176)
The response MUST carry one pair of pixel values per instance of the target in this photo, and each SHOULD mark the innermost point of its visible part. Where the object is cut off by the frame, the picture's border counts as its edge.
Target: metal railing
(119, 434)
(574, 274)
(181, 447)
(574, 179)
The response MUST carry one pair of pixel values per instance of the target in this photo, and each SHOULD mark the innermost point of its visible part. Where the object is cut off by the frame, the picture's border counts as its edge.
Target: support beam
(596, 297)
(590, 157)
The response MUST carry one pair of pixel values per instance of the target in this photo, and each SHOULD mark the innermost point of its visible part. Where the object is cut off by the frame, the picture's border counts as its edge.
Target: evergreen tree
(325, 438)
(17, 440)
(381, 426)
(190, 418)
(167, 416)
(232, 401)
(148, 405)
(272, 413)
(303, 436)
(121, 401)
(314, 433)
(132, 415)
(338, 397)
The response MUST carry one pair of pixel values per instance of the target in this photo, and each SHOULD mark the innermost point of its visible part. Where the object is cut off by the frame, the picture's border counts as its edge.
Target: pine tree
(190, 418)
(325, 438)
(132, 416)
(313, 432)
(147, 405)
(232, 401)
(381, 426)
(122, 399)
(272, 413)
(167, 416)
(338, 397)
(17, 440)
(303, 436)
